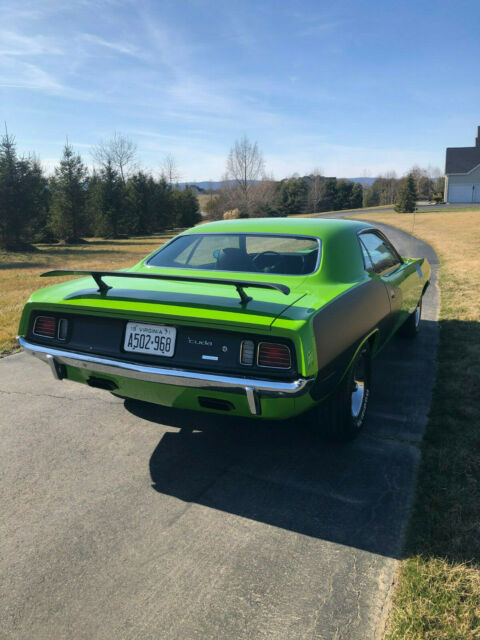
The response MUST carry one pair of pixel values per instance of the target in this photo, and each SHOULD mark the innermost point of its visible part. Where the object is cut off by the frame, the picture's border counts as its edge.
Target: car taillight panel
(45, 326)
(247, 352)
(51, 327)
(274, 355)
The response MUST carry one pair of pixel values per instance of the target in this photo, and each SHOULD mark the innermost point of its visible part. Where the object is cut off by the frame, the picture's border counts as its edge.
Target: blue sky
(353, 88)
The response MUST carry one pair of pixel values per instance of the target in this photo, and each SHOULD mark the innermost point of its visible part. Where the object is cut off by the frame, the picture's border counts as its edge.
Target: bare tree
(229, 193)
(245, 165)
(315, 190)
(119, 152)
(434, 172)
(170, 169)
(390, 186)
(264, 197)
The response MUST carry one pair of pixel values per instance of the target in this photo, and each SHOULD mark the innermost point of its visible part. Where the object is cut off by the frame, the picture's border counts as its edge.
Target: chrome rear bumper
(253, 388)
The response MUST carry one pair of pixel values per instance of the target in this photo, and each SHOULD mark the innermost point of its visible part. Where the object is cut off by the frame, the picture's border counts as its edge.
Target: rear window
(250, 253)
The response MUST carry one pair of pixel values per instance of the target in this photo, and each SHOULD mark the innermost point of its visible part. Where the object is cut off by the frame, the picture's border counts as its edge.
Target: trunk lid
(171, 301)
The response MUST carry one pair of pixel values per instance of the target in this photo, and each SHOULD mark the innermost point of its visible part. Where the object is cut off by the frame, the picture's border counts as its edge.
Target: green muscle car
(268, 318)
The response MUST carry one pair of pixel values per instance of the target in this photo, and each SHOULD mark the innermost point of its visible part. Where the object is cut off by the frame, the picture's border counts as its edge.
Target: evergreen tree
(163, 205)
(344, 194)
(329, 195)
(186, 212)
(371, 196)
(67, 214)
(356, 198)
(93, 204)
(140, 195)
(293, 196)
(407, 196)
(38, 226)
(111, 215)
(22, 195)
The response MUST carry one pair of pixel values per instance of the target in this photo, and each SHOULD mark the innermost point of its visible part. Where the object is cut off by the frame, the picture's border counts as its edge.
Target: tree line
(248, 191)
(294, 195)
(428, 185)
(115, 200)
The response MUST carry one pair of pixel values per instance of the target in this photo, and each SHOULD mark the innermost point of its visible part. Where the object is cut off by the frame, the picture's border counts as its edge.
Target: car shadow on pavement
(281, 474)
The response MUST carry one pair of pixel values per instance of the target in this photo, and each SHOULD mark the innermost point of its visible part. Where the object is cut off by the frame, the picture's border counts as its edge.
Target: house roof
(462, 159)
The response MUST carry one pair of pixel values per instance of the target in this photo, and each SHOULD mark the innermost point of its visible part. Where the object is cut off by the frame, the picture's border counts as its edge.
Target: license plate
(155, 339)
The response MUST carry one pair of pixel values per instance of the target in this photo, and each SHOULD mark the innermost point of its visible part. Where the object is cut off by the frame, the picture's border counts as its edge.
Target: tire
(411, 326)
(340, 418)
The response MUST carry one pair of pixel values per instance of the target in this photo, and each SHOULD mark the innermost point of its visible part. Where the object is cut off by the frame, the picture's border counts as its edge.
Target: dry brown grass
(456, 239)
(438, 593)
(19, 272)
(338, 211)
(204, 199)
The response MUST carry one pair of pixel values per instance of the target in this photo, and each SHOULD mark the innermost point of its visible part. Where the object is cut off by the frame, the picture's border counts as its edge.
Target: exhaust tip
(215, 403)
(101, 383)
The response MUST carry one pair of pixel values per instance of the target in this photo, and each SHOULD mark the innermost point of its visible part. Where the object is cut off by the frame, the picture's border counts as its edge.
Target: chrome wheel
(411, 326)
(358, 388)
(341, 416)
(418, 313)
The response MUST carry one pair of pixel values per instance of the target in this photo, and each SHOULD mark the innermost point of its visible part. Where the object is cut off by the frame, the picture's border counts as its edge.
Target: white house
(462, 173)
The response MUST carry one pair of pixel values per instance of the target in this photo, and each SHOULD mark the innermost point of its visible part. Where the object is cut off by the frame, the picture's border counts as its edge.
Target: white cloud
(167, 46)
(18, 74)
(126, 49)
(24, 75)
(16, 44)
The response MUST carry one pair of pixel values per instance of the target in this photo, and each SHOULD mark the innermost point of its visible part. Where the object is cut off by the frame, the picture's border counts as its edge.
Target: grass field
(203, 198)
(438, 592)
(19, 272)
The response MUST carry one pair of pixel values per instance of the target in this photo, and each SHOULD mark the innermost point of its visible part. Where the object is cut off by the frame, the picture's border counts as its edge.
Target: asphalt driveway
(122, 520)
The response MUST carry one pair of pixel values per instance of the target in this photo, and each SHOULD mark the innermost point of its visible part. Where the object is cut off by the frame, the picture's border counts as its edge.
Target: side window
(366, 257)
(379, 254)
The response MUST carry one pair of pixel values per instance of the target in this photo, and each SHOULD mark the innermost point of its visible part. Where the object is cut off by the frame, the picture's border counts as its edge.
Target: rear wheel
(411, 326)
(342, 416)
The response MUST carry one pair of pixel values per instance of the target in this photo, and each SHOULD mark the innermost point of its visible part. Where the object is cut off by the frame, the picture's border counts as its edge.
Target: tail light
(50, 327)
(45, 326)
(272, 354)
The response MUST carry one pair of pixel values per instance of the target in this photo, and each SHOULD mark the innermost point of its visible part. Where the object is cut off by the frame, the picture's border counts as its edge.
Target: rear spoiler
(240, 285)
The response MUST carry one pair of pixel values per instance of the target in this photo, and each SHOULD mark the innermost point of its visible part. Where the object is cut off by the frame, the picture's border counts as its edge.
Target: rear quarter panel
(328, 327)
(361, 313)
(407, 283)
(417, 274)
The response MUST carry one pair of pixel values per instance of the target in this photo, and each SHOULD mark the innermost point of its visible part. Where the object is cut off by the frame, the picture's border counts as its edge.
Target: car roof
(338, 237)
(317, 227)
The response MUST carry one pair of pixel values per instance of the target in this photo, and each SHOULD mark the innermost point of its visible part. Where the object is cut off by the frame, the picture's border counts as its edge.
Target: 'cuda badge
(201, 343)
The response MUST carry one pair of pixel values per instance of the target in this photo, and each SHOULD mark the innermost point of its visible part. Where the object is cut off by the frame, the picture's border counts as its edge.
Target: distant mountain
(205, 185)
(365, 182)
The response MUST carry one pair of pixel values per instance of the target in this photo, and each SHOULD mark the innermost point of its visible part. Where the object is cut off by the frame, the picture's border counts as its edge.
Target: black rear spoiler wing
(98, 276)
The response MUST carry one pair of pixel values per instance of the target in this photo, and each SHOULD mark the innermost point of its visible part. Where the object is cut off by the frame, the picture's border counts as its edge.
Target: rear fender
(372, 340)
(330, 378)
